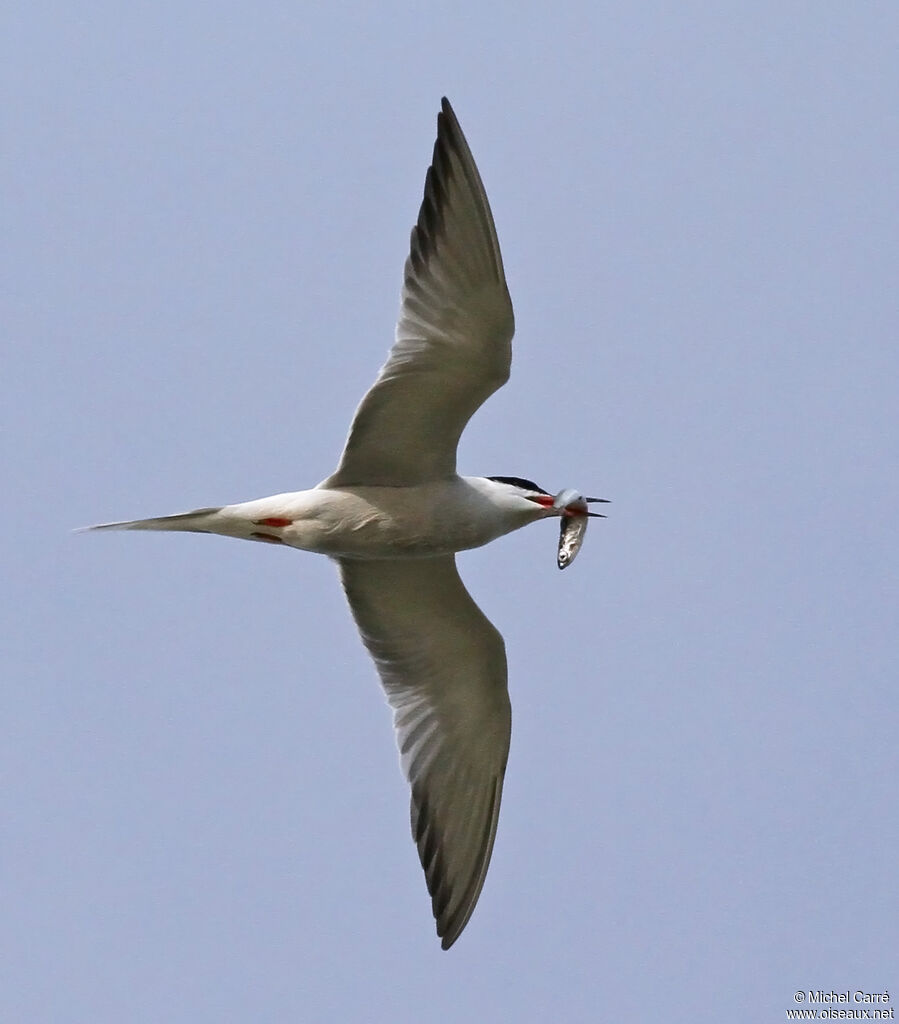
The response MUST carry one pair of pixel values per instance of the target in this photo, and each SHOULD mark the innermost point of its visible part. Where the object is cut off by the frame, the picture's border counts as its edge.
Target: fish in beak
(572, 507)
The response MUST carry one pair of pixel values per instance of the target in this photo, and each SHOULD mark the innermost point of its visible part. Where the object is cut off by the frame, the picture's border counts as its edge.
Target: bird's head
(569, 504)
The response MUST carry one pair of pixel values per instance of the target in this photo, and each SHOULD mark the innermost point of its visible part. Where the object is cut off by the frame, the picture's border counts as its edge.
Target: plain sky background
(206, 209)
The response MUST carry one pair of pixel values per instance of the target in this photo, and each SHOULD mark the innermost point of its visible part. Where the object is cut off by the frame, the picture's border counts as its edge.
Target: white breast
(386, 522)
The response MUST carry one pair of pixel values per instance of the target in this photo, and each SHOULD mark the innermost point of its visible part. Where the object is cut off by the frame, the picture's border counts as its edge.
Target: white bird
(395, 512)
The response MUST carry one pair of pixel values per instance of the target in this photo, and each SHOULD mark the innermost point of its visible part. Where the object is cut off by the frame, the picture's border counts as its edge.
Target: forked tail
(187, 522)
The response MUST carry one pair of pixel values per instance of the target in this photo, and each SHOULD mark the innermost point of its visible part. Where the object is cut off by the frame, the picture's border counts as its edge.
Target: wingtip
(447, 113)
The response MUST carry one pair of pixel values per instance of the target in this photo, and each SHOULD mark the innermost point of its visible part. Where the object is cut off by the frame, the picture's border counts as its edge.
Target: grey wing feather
(443, 667)
(453, 338)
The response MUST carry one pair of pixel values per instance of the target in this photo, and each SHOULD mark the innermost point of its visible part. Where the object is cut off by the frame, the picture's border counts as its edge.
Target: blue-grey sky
(206, 213)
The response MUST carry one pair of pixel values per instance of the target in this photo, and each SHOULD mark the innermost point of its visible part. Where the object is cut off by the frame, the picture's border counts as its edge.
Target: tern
(395, 512)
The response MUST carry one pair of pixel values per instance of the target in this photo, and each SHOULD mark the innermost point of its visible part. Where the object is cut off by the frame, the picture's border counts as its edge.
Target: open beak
(570, 503)
(596, 515)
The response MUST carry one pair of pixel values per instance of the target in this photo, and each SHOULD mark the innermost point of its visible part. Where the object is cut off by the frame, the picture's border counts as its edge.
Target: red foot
(272, 521)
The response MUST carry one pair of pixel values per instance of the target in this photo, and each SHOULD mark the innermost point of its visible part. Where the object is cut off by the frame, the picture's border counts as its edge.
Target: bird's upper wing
(453, 338)
(443, 665)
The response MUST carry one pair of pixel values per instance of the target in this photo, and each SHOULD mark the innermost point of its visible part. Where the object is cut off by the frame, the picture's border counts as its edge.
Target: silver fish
(571, 536)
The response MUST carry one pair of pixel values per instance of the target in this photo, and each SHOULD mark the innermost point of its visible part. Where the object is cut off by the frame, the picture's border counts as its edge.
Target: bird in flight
(395, 512)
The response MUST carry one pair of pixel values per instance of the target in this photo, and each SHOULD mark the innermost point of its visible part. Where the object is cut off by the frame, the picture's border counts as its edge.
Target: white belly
(379, 522)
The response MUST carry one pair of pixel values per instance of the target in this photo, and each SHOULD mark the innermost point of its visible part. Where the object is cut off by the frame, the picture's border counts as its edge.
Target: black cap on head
(518, 481)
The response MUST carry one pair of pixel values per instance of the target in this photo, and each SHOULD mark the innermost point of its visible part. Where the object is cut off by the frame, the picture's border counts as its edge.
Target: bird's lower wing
(443, 666)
